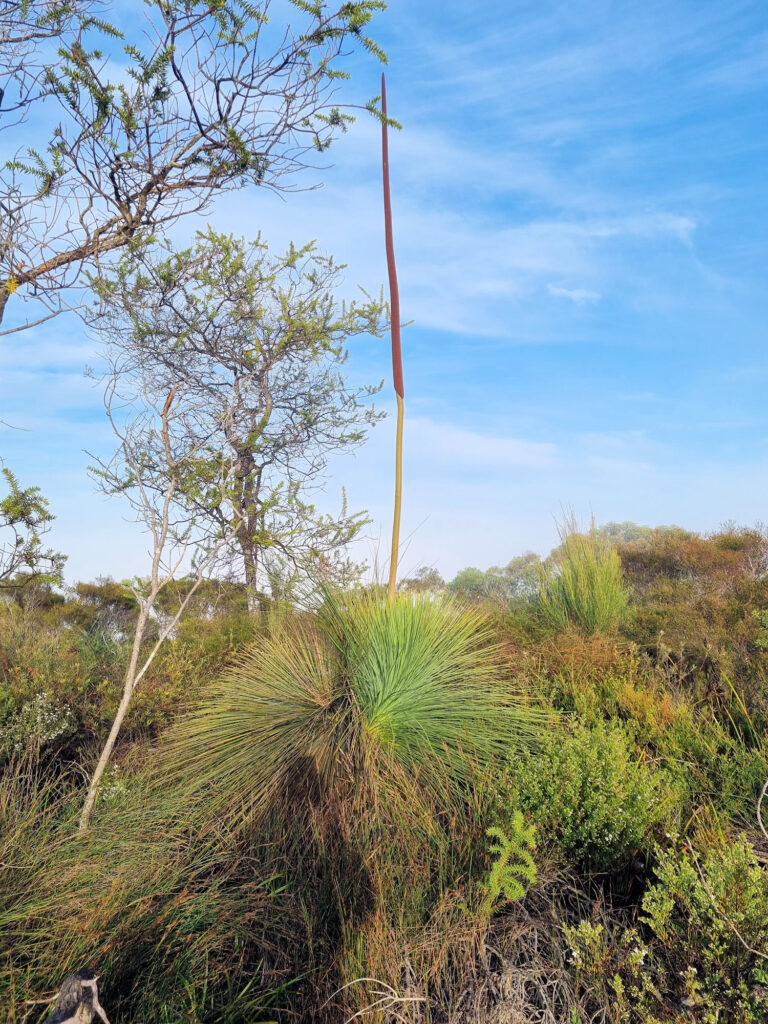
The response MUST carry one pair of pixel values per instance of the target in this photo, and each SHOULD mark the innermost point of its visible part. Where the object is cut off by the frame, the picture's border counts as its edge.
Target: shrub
(37, 724)
(596, 798)
(582, 585)
(363, 695)
(612, 978)
(709, 915)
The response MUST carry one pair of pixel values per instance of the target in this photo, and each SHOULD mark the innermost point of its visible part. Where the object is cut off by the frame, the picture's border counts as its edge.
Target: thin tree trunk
(247, 529)
(128, 688)
(250, 552)
(133, 676)
(160, 532)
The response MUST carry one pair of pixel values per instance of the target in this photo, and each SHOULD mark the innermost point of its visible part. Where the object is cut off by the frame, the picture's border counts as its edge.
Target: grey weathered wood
(78, 1000)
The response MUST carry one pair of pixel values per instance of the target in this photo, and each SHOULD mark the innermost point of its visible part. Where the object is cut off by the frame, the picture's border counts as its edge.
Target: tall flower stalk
(397, 360)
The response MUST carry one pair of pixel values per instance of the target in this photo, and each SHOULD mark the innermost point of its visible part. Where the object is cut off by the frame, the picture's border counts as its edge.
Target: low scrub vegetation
(533, 801)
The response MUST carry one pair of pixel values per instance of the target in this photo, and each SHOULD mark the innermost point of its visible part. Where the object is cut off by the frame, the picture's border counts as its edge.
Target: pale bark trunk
(128, 688)
(132, 678)
(251, 565)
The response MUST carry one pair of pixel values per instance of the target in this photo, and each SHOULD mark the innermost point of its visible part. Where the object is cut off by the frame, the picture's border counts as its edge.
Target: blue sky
(579, 194)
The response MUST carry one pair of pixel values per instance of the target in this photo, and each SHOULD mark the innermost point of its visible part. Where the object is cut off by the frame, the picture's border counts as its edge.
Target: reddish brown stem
(394, 295)
(397, 361)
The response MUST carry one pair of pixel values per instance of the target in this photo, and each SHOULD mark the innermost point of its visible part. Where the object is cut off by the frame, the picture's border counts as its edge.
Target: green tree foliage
(515, 582)
(425, 579)
(110, 608)
(204, 97)
(469, 583)
(27, 27)
(623, 533)
(255, 342)
(24, 517)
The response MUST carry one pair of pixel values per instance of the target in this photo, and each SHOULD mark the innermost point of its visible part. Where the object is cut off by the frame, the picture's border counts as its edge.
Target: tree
(210, 97)
(469, 583)
(624, 533)
(24, 517)
(257, 340)
(519, 578)
(25, 28)
(516, 581)
(425, 580)
(107, 607)
(154, 467)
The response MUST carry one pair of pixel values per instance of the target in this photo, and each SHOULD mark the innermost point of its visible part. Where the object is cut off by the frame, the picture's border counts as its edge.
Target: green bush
(38, 723)
(582, 584)
(592, 793)
(363, 695)
(709, 916)
(611, 973)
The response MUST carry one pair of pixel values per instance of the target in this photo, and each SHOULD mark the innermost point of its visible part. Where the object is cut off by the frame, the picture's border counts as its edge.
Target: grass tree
(258, 340)
(368, 697)
(582, 584)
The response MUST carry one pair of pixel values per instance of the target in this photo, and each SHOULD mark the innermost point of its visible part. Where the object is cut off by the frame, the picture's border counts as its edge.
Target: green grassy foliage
(172, 927)
(582, 586)
(364, 695)
(380, 760)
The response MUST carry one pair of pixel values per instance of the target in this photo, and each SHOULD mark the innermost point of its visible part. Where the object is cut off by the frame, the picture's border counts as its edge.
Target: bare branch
(213, 103)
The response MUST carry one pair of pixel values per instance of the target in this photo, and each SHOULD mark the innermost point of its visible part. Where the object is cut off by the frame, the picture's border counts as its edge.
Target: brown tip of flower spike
(394, 296)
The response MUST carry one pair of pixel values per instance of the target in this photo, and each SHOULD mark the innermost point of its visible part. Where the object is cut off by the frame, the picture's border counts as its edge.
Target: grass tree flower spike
(397, 359)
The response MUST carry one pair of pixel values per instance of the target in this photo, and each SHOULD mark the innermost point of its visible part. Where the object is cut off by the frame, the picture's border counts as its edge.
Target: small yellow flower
(11, 285)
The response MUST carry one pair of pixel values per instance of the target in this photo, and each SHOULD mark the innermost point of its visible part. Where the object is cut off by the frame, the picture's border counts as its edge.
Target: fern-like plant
(514, 869)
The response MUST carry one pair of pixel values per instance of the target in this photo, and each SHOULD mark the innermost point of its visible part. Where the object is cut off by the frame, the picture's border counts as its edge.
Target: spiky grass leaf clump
(584, 586)
(175, 929)
(364, 694)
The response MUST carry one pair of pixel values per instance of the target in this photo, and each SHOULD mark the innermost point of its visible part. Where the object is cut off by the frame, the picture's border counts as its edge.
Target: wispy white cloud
(460, 270)
(446, 444)
(581, 296)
